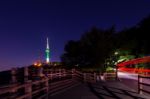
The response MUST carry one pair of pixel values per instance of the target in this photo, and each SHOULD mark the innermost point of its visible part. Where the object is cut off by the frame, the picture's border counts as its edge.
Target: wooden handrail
(51, 86)
(147, 77)
(23, 96)
(140, 89)
(36, 91)
(145, 91)
(144, 84)
(41, 81)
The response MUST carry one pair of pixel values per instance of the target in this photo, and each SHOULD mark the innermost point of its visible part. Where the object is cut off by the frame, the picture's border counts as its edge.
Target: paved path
(131, 80)
(115, 90)
(81, 91)
(100, 90)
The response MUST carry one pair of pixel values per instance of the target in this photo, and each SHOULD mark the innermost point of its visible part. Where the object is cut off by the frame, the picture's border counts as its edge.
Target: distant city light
(38, 64)
(35, 64)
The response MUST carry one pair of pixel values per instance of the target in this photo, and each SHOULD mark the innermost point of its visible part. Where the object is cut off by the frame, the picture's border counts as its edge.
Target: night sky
(25, 24)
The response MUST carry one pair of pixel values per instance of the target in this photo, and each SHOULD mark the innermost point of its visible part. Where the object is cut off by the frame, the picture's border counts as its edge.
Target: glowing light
(38, 64)
(140, 70)
(116, 53)
(35, 64)
(122, 65)
(135, 61)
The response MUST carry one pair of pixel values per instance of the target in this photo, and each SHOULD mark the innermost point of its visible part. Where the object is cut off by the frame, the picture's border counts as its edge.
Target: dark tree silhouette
(72, 54)
(91, 50)
(97, 45)
(136, 38)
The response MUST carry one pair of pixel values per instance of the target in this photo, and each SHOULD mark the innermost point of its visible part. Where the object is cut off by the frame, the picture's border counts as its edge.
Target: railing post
(13, 75)
(47, 87)
(28, 89)
(40, 72)
(84, 77)
(60, 73)
(101, 76)
(13, 81)
(116, 73)
(51, 75)
(105, 76)
(64, 72)
(26, 74)
(72, 72)
(141, 87)
(138, 84)
(95, 77)
(47, 84)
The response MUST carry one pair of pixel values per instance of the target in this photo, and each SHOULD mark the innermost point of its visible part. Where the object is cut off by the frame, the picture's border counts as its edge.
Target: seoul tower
(47, 52)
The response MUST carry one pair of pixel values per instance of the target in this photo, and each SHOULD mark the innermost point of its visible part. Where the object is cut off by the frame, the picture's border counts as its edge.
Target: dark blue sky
(25, 24)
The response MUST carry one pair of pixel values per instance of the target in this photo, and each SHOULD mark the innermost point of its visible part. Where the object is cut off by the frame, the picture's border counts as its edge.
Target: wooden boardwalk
(100, 90)
(68, 84)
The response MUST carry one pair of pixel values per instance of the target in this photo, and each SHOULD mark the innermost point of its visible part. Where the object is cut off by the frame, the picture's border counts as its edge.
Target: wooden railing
(89, 77)
(109, 76)
(25, 90)
(85, 76)
(78, 75)
(48, 85)
(144, 84)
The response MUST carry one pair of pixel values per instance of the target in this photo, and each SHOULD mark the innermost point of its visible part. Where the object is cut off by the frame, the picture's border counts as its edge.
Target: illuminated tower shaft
(47, 52)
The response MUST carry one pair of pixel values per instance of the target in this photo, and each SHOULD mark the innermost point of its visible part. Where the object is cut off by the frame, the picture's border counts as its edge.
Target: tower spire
(47, 51)
(47, 43)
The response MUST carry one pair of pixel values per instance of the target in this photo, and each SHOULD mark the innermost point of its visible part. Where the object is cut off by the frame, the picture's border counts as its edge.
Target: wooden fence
(109, 76)
(46, 85)
(42, 85)
(144, 84)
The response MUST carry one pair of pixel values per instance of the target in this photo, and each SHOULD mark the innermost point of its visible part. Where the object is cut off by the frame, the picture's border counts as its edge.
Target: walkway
(100, 90)
(81, 91)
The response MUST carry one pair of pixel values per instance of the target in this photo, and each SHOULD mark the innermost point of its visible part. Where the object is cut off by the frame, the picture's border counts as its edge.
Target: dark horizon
(26, 24)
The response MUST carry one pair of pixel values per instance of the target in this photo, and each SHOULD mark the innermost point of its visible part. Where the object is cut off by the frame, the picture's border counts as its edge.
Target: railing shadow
(107, 92)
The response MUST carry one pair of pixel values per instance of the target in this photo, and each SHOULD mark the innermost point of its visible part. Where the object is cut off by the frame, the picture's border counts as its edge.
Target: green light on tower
(47, 52)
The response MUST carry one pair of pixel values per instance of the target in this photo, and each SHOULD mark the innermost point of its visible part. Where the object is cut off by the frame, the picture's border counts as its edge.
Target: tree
(71, 56)
(136, 39)
(98, 45)
(91, 50)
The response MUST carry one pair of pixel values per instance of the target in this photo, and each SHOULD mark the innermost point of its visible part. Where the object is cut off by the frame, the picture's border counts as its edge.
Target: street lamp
(116, 72)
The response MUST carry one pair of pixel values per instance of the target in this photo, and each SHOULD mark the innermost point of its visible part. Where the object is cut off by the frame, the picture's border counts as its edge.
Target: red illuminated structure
(122, 65)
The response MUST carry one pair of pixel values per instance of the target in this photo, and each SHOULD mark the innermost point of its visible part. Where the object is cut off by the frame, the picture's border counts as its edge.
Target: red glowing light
(133, 62)
(134, 70)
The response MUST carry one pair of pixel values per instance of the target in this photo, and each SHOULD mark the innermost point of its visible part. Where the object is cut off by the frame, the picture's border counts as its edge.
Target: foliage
(109, 69)
(96, 47)
(91, 50)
